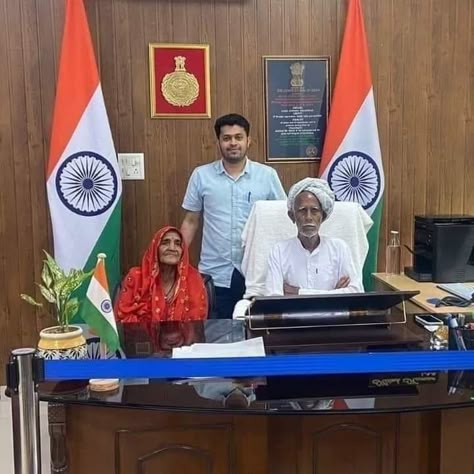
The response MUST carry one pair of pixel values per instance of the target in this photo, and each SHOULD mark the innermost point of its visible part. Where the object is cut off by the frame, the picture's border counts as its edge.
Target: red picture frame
(179, 80)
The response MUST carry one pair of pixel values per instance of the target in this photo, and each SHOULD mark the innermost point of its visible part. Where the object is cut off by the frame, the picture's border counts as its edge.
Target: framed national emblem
(296, 107)
(179, 81)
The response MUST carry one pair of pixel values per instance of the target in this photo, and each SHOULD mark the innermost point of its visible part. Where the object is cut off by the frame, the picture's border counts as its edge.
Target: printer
(443, 249)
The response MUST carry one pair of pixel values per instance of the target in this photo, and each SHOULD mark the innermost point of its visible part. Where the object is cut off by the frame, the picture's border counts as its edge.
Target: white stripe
(96, 294)
(363, 136)
(76, 235)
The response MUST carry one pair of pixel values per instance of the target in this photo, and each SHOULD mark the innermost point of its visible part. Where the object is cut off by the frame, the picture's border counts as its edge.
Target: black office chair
(211, 293)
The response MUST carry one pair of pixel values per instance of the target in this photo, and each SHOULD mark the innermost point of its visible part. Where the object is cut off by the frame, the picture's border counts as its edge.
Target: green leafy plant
(57, 287)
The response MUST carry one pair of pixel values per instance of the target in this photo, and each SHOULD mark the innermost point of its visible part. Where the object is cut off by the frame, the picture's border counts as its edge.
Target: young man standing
(223, 193)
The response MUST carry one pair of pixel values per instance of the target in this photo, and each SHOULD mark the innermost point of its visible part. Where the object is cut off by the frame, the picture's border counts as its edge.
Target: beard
(235, 155)
(309, 232)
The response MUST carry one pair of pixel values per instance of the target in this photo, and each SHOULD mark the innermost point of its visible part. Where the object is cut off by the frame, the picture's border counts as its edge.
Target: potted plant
(63, 341)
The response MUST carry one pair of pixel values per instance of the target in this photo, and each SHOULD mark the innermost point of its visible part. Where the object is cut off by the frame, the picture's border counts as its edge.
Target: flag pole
(103, 385)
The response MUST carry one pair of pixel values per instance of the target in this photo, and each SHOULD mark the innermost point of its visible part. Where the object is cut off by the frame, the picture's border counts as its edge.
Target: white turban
(319, 187)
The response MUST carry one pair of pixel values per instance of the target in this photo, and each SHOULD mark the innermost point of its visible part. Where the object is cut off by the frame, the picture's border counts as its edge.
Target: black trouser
(226, 298)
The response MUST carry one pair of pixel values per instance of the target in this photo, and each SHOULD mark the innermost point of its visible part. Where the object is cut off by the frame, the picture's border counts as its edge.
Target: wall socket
(132, 165)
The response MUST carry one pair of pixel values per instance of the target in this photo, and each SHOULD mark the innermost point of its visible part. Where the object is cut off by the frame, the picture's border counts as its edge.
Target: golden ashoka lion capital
(180, 88)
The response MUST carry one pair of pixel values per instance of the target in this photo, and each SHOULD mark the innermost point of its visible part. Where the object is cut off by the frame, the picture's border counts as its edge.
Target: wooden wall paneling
(290, 41)
(207, 138)
(419, 68)
(140, 112)
(274, 47)
(152, 132)
(124, 139)
(304, 27)
(445, 63)
(49, 36)
(34, 238)
(379, 31)
(327, 22)
(105, 55)
(262, 34)
(436, 112)
(235, 58)
(276, 31)
(18, 248)
(409, 125)
(469, 135)
(223, 81)
(7, 224)
(194, 131)
(459, 27)
(251, 70)
(396, 118)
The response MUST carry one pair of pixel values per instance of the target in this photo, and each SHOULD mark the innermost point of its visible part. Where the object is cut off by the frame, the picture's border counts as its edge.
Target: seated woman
(165, 287)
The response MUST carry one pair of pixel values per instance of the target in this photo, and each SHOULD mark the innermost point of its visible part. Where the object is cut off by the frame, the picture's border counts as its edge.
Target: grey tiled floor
(6, 438)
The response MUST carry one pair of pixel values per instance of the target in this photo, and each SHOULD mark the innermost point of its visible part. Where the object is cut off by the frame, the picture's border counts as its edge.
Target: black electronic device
(443, 249)
(336, 309)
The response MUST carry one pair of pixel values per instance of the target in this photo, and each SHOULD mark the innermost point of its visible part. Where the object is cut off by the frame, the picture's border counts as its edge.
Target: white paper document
(250, 348)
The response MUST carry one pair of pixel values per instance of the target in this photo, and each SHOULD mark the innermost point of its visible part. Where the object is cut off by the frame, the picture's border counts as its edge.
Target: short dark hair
(231, 119)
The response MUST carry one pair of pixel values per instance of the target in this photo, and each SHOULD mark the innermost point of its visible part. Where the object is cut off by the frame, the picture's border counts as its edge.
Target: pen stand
(466, 334)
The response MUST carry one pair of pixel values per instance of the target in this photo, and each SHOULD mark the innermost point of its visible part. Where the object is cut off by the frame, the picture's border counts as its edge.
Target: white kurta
(314, 273)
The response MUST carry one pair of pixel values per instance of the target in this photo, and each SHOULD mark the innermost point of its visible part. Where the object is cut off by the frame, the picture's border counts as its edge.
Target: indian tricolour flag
(98, 309)
(351, 160)
(83, 180)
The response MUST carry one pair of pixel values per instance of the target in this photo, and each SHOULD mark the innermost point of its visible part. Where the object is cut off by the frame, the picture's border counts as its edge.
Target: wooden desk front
(125, 441)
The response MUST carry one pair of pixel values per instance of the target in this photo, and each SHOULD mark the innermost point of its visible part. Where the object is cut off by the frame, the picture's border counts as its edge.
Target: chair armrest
(240, 309)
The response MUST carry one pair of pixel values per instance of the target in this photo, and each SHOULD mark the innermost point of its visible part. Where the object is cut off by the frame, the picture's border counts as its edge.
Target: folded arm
(349, 281)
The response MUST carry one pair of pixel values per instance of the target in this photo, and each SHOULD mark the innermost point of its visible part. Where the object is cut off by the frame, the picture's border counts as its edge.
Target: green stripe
(370, 265)
(108, 243)
(96, 321)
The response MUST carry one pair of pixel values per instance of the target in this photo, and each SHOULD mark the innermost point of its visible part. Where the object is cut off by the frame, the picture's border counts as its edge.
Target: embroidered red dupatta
(142, 298)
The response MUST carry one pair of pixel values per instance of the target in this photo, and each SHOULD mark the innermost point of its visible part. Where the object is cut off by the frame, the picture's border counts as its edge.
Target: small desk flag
(98, 311)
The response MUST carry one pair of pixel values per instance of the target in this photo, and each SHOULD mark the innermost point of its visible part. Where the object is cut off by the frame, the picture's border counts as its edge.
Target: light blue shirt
(225, 203)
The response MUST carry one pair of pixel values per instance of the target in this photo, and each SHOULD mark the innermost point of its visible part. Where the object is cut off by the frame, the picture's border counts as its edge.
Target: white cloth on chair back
(268, 223)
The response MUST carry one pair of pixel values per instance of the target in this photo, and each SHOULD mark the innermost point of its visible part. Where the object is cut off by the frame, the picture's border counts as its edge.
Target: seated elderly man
(310, 263)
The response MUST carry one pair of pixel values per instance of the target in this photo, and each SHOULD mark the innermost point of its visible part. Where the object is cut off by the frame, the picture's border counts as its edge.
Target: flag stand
(103, 385)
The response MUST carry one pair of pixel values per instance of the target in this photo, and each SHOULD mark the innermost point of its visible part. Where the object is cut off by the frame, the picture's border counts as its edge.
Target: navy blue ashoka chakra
(86, 183)
(355, 176)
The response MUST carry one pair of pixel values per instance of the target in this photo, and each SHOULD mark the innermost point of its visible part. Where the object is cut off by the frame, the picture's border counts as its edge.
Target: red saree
(142, 298)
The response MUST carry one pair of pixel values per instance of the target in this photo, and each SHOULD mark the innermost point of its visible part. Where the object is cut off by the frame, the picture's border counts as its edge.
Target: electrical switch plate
(132, 165)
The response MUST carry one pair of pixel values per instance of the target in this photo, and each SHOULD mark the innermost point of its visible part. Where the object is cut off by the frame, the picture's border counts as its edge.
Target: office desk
(272, 425)
(386, 281)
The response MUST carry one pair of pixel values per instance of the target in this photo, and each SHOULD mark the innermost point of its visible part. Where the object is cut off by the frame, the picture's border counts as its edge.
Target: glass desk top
(371, 392)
